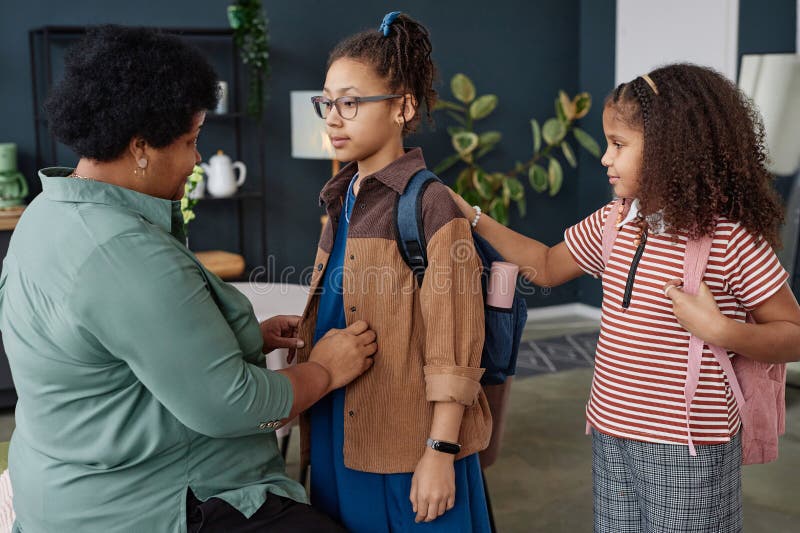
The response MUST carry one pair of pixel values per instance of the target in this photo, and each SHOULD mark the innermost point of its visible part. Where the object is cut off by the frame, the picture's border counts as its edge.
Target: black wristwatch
(444, 446)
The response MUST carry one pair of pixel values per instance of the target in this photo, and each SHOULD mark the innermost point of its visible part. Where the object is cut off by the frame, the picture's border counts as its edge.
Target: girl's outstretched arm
(542, 265)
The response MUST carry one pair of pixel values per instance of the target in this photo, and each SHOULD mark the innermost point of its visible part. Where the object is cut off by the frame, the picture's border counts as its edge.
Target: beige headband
(650, 82)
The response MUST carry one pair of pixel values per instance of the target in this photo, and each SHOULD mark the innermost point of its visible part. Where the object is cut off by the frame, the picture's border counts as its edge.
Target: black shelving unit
(247, 202)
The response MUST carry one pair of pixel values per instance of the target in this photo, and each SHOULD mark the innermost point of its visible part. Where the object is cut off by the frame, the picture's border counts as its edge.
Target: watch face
(446, 447)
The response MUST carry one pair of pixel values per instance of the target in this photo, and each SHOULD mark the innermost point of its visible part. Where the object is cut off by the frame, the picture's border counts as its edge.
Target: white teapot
(221, 181)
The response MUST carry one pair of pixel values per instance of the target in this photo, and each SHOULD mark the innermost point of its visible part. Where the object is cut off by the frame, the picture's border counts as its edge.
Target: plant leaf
(446, 163)
(537, 176)
(560, 114)
(566, 105)
(482, 184)
(490, 137)
(506, 193)
(586, 141)
(516, 189)
(465, 142)
(553, 131)
(463, 88)
(521, 206)
(583, 102)
(569, 155)
(499, 211)
(555, 176)
(483, 106)
(445, 104)
(464, 181)
(537, 135)
(458, 118)
(452, 130)
(472, 197)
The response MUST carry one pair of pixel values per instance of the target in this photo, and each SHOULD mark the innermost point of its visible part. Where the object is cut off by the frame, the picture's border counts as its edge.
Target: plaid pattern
(644, 487)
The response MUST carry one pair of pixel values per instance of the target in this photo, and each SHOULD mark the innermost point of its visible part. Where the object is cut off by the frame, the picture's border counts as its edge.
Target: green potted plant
(250, 33)
(494, 191)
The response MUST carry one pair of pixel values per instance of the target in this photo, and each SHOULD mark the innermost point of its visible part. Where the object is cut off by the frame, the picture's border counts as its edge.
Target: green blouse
(139, 373)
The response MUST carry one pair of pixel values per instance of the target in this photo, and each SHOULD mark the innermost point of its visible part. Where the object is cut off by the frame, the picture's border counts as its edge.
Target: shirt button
(352, 413)
(353, 309)
(363, 205)
(319, 266)
(352, 257)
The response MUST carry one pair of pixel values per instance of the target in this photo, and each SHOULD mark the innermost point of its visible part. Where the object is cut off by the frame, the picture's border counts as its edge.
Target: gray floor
(542, 480)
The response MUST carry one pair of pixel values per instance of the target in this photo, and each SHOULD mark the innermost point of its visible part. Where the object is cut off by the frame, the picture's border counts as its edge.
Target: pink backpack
(759, 388)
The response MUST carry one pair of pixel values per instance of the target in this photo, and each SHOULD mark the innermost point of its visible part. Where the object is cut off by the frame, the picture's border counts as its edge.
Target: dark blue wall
(596, 75)
(767, 27)
(524, 51)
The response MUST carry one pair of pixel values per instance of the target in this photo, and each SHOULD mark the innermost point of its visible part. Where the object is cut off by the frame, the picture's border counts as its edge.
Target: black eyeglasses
(346, 106)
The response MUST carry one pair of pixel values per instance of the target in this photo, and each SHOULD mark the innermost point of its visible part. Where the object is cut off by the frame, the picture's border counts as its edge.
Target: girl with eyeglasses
(396, 450)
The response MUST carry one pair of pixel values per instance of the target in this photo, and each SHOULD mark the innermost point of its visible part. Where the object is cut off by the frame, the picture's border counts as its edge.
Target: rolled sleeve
(452, 384)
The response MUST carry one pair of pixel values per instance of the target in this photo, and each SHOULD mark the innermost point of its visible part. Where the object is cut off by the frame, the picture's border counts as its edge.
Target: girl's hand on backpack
(697, 313)
(433, 486)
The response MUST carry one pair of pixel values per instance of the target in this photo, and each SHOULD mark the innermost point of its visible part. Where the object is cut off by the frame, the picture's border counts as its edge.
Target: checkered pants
(642, 487)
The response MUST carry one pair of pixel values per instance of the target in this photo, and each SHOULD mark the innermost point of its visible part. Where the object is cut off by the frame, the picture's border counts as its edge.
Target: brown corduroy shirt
(430, 338)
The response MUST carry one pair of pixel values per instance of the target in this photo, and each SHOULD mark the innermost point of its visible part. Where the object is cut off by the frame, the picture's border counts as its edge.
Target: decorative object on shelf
(494, 191)
(222, 181)
(13, 186)
(250, 34)
(194, 183)
(222, 103)
(309, 138)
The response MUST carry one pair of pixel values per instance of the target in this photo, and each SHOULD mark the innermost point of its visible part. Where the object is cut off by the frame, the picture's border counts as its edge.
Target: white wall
(653, 32)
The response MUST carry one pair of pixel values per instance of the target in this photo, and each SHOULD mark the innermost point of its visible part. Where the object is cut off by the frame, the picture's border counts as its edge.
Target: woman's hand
(433, 486)
(280, 332)
(697, 313)
(345, 353)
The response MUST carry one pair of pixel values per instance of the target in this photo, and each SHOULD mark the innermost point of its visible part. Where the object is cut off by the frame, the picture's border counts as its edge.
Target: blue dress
(364, 501)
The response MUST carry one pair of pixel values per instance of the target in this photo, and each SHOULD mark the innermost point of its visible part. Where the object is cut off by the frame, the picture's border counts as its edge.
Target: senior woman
(144, 404)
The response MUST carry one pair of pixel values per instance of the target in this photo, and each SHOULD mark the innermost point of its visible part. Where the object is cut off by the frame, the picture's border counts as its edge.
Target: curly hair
(122, 82)
(703, 155)
(403, 58)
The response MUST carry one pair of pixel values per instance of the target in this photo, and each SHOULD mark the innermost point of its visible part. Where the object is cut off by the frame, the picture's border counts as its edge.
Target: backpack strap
(694, 265)
(408, 221)
(619, 208)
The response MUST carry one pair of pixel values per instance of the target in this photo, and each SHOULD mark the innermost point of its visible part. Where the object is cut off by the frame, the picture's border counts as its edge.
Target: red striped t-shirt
(641, 358)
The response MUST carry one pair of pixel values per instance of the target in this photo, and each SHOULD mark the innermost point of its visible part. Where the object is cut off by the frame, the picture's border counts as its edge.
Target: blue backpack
(503, 326)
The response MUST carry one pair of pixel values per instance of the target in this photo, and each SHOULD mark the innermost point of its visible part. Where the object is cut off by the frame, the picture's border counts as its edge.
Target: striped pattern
(640, 364)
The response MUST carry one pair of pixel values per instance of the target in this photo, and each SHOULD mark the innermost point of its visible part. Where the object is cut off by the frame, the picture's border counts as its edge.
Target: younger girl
(396, 450)
(685, 148)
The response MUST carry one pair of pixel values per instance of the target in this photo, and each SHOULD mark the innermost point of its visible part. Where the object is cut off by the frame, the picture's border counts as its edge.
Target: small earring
(142, 162)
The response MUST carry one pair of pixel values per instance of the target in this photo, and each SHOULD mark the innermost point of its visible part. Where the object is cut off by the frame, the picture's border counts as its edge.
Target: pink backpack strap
(610, 229)
(694, 265)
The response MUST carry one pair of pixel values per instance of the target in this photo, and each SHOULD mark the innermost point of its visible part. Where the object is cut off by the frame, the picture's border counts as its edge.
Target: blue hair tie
(387, 21)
